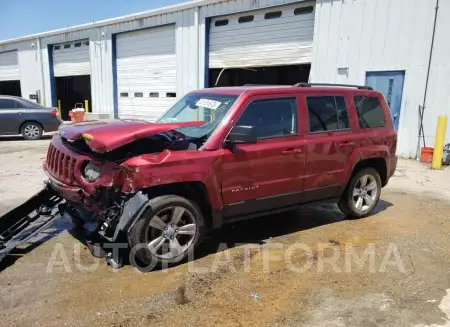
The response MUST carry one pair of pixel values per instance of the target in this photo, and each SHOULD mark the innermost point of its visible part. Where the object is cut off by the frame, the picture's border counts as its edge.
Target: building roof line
(110, 21)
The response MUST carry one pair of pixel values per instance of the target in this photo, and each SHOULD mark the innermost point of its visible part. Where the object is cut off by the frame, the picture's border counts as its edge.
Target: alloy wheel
(365, 193)
(171, 232)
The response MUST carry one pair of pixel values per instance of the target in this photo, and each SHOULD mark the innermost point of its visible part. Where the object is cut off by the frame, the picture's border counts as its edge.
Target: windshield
(206, 107)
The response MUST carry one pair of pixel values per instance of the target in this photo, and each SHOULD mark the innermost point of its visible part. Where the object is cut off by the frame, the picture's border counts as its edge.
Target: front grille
(60, 165)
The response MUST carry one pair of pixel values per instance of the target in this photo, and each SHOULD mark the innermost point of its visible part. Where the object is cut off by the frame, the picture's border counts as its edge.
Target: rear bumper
(391, 168)
(51, 125)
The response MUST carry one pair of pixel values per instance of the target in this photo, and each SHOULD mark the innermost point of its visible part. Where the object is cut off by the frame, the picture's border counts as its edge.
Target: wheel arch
(194, 190)
(379, 164)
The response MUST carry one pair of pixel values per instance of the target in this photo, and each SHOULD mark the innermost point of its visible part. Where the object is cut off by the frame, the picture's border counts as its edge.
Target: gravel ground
(308, 268)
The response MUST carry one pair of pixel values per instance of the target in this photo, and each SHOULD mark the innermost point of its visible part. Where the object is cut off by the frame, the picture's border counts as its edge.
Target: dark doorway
(10, 88)
(273, 75)
(71, 90)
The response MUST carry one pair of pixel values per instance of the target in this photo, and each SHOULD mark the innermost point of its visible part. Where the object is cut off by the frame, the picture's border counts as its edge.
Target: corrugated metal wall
(438, 97)
(386, 35)
(362, 35)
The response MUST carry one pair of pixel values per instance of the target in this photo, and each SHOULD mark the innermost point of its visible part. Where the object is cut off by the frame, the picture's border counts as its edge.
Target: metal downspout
(428, 73)
(196, 47)
(44, 99)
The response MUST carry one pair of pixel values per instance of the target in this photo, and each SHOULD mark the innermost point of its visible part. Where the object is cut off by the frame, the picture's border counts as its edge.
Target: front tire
(168, 232)
(31, 131)
(362, 194)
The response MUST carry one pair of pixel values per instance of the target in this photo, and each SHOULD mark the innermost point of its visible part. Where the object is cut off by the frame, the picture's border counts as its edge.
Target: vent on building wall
(304, 10)
(273, 14)
(221, 22)
(246, 19)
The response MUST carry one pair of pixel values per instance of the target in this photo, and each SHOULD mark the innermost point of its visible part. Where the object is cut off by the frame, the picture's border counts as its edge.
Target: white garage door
(71, 59)
(9, 66)
(146, 72)
(269, 37)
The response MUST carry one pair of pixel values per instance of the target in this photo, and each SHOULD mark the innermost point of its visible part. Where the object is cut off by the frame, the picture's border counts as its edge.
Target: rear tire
(31, 131)
(168, 232)
(362, 194)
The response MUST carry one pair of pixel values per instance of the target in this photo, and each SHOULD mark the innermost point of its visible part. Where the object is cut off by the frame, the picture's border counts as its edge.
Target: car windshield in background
(206, 107)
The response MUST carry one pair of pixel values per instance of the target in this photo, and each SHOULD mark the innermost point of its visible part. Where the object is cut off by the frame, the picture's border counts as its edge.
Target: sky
(25, 17)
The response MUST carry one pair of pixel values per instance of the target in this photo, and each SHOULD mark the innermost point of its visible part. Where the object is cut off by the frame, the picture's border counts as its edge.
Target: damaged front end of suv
(98, 170)
(105, 174)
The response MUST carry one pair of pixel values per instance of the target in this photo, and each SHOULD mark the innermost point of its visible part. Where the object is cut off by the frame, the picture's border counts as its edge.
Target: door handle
(19, 113)
(291, 151)
(347, 144)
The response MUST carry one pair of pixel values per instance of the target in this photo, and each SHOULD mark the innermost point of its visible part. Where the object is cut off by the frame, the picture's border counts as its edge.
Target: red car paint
(311, 166)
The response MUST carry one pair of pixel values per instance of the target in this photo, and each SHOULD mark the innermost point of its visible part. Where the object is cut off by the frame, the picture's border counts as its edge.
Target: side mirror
(241, 135)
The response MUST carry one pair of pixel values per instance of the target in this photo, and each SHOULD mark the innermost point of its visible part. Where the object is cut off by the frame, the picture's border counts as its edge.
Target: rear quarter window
(370, 112)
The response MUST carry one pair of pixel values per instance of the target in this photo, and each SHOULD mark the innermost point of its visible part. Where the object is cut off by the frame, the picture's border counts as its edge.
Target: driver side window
(275, 117)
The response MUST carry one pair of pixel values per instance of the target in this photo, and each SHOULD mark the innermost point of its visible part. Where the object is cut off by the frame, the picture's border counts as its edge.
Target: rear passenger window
(370, 112)
(327, 113)
(271, 117)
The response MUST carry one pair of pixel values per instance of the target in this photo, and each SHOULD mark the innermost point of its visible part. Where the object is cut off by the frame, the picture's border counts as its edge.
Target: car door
(9, 116)
(330, 143)
(268, 174)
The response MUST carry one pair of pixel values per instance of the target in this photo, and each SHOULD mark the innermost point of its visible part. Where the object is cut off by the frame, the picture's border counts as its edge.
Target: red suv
(221, 155)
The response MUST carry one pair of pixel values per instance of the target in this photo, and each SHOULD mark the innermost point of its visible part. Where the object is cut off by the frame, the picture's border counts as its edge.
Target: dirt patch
(283, 270)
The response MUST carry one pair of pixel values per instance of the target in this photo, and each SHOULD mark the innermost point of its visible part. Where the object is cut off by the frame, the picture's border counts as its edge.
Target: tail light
(54, 113)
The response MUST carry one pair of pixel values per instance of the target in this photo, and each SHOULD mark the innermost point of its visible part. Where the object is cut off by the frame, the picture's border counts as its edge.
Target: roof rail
(259, 85)
(360, 87)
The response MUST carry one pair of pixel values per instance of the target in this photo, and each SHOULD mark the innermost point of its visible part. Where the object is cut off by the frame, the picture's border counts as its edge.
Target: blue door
(390, 84)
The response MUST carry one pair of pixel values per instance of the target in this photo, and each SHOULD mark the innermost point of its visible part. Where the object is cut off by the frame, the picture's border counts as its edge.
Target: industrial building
(137, 66)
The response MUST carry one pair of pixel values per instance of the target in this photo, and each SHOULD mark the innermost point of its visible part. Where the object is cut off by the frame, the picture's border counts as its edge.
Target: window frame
(272, 97)
(348, 107)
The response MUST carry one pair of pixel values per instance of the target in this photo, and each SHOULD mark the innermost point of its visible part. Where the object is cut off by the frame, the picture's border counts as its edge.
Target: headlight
(91, 172)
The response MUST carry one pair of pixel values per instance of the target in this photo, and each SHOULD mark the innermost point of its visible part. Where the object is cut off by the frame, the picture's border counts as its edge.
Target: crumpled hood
(104, 136)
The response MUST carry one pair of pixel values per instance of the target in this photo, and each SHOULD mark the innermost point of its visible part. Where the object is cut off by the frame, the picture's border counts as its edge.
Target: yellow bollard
(43, 103)
(439, 142)
(59, 109)
(86, 106)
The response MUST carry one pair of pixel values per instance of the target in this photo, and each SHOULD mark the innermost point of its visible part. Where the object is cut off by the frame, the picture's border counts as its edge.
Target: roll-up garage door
(9, 66)
(71, 59)
(146, 72)
(270, 37)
